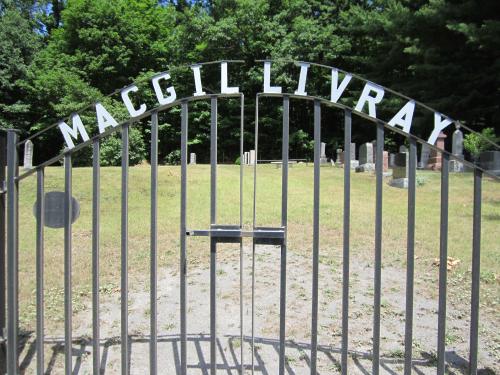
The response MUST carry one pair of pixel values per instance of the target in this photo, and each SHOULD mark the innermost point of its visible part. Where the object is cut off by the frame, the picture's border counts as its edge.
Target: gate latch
(234, 234)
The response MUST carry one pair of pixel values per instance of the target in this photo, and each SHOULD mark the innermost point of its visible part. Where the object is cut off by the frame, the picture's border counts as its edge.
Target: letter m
(72, 132)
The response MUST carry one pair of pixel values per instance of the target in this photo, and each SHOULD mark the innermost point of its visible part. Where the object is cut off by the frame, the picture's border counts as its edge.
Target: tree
(18, 44)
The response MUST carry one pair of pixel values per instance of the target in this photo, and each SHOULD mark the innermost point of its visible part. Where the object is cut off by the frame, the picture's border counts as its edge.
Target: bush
(111, 149)
(173, 158)
(475, 143)
(238, 160)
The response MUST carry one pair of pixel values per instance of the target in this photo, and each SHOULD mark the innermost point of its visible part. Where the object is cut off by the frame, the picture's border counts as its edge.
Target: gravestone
(340, 157)
(365, 158)
(400, 171)
(386, 161)
(251, 161)
(457, 149)
(192, 158)
(353, 151)
(424, 156)
(490, 161)
(323, 159)
(353, 162)
(28, 155)
(391, 160)
(435, 158)
(366, 153)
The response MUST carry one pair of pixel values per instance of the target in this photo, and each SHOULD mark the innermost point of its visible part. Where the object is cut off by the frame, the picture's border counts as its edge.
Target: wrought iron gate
(221, 233)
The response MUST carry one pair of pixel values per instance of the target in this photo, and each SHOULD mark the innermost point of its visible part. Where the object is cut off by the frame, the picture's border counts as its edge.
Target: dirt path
(267, 322)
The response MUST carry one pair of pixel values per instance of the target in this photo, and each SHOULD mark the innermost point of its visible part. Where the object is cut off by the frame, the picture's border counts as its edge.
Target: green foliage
(475, 143)
(18, 44)
(173, 158)
(111, 149)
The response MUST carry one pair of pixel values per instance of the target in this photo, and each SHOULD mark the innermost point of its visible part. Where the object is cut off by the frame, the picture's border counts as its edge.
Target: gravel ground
(267, 322)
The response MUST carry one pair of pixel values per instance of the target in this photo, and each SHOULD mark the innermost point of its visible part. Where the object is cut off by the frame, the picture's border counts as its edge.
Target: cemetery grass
(300, 218)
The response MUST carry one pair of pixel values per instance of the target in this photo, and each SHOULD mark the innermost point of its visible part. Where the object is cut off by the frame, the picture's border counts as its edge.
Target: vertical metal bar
(476, 268)
(315, 277)
(68, 305)
(153, 346)
(3, 270)
(242, 123)
(213, 243)
(443, 263)
(40, 222)
(183, 262)
(377, 279)
(410, 255)
(284, 219)
(345, 256)
(12, 254)
(124, 252)
(96, 207)
(256, 145)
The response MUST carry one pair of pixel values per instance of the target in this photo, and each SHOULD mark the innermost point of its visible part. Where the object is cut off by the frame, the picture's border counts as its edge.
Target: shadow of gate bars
(221, 233)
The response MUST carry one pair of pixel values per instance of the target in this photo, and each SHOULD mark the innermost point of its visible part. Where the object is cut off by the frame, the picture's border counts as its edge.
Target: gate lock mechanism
(234, 234)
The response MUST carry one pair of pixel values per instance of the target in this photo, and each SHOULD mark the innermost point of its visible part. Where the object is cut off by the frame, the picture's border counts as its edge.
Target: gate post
(12, 254)
(3, 305)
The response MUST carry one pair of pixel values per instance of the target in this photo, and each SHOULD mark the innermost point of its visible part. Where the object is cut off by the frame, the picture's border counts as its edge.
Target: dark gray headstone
(400, 169)
(400, 159)
(490, 161)
(424, 156)
(54, 209)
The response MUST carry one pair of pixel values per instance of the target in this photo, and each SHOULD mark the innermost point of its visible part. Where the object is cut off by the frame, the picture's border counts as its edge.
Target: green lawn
(300, 218)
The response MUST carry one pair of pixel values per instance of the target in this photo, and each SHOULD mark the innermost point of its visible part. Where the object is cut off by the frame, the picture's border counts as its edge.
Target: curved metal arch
(403, 96)
(329, 103)
(120, 125)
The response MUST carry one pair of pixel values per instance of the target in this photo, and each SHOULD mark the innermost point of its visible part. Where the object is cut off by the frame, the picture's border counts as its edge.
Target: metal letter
(69, 132)
(162, 99)
(301, 90)
(371, 100)
(197, 80)
(224, 89)
(128, 103)
(268, 89)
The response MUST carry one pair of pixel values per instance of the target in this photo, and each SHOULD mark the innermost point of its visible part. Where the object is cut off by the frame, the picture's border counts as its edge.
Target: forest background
(59, 56)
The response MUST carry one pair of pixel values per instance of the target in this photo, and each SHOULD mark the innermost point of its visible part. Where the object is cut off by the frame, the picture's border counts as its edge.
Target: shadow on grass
(359, 361)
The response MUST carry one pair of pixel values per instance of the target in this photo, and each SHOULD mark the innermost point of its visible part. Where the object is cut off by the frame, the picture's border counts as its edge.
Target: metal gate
(220, 233)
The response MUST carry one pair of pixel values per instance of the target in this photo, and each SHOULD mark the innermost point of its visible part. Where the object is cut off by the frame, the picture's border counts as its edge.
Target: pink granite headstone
(435, 159)
(386, 161)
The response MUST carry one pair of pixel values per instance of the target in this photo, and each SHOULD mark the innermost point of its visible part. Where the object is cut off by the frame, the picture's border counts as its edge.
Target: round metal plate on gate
(54, 209)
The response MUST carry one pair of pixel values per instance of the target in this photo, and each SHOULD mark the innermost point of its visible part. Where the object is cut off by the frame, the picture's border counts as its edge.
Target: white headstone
(252, 157)
(366, 153)
(28, 155)
(457, 147)
(192, 158)
(323, 159)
